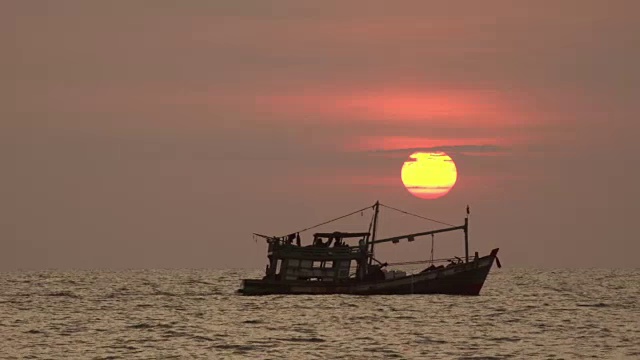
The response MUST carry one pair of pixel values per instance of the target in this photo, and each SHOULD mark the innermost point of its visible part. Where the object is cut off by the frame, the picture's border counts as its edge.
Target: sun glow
(429, 175)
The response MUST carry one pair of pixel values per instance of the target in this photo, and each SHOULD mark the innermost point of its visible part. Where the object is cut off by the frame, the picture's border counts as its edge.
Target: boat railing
(316, 249)
(452, 260)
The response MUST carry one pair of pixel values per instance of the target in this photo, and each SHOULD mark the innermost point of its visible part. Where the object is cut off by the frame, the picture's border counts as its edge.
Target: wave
(596, 305)
(298, 339)
(68, 294)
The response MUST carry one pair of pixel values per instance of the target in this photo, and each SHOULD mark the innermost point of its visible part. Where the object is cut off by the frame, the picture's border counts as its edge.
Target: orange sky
(137, 136)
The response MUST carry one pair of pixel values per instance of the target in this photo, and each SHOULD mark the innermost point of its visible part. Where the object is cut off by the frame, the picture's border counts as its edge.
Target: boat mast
(373, 230)
(466, 236)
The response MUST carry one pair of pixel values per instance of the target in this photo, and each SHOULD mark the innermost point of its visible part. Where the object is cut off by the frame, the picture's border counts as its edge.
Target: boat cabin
(328, 258)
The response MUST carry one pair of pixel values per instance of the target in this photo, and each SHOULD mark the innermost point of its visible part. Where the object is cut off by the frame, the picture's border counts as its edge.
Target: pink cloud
(370, 143)
(451, 107)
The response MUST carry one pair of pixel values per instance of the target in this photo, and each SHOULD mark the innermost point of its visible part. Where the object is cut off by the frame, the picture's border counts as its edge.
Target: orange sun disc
(429, 175)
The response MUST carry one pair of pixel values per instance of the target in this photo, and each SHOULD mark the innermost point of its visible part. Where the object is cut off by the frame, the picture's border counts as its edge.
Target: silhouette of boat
(340, 268)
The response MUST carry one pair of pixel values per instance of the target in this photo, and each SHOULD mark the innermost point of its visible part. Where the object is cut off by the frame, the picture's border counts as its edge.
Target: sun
(429, 175)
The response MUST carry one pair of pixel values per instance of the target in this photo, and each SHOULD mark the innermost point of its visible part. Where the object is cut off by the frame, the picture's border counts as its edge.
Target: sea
(196, 314)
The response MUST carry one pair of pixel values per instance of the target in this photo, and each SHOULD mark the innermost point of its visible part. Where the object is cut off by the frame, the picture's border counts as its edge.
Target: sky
(163, 134)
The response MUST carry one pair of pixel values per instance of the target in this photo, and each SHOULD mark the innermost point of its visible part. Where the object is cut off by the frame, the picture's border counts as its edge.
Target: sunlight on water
(196, 314)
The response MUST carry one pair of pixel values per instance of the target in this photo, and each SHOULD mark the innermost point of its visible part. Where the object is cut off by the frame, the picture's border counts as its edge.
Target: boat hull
(459, 279)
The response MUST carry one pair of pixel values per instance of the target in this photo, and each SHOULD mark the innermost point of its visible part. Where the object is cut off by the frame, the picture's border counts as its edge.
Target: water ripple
(196, 314)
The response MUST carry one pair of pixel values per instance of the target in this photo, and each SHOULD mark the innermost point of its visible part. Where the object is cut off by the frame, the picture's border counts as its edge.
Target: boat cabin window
(327, 264)
(293, 263)
(318, 270)
(343, 267)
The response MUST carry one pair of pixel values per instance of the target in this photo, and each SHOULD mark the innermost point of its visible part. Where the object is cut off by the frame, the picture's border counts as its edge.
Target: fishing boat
(345, 263)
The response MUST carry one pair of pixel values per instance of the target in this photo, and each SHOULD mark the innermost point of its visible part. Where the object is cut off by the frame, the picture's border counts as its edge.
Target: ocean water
(195, 314)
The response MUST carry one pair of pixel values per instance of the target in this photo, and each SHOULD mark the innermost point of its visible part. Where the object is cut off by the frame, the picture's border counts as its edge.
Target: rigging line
(422, 217)
(330, 221)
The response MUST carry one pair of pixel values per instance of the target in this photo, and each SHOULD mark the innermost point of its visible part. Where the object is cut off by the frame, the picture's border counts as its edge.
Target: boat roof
(341, 234)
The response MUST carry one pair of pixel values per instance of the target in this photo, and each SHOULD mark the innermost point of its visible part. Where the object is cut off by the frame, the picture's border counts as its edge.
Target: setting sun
(429, 175)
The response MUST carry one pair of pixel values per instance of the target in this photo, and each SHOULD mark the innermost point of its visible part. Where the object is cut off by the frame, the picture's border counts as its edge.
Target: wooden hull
(460, 279)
